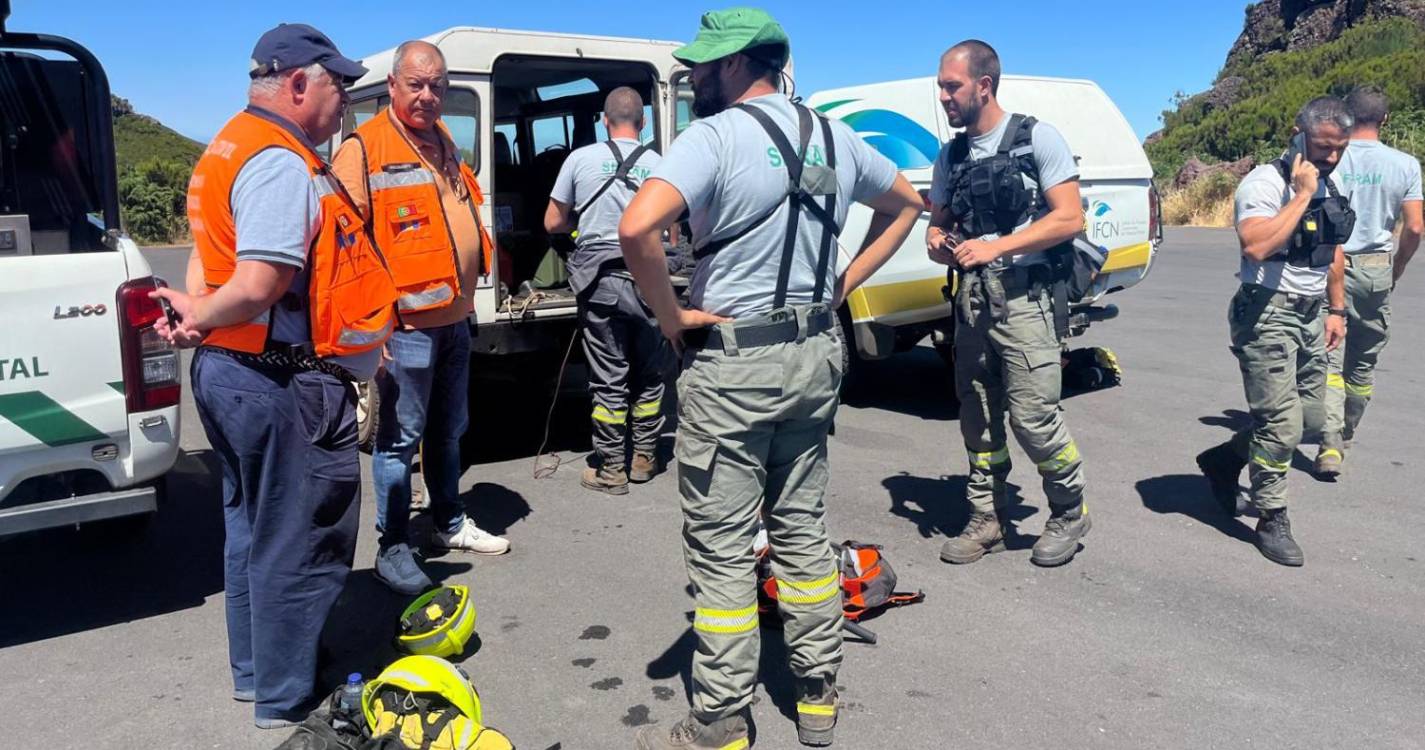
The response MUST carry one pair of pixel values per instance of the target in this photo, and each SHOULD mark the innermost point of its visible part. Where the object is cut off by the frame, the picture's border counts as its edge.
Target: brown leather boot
(644, 467)
(728, 733)
(605, 479)
(982, 534)
(816, 711)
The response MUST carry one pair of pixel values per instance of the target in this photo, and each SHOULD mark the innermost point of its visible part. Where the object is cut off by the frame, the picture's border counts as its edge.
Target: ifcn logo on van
(1098, 223)
(897, 137)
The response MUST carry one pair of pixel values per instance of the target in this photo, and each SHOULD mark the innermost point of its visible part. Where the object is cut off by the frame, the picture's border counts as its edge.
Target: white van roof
(470, 49)
(899, 118)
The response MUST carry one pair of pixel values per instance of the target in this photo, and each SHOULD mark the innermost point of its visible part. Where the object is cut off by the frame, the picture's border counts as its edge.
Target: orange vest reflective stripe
(350, 297)
(407, 216)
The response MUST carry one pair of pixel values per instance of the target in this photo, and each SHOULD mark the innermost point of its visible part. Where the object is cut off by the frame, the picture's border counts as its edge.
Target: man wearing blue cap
(271, 386)
(768, 185)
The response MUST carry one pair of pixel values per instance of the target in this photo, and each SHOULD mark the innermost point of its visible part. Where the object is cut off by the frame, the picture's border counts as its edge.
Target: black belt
(762, 333)
(291, 359)
(1302, 304)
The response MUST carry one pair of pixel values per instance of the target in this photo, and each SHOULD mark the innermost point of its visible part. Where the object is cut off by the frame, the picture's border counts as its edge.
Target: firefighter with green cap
(767, 184)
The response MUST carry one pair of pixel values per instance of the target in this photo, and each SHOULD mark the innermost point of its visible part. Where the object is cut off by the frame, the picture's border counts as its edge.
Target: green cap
(727, 32)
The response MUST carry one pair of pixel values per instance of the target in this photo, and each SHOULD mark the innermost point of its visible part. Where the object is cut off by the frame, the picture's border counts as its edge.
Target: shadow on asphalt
(916, 383)
(1231, 419)
(1190, 495)
(118, 571)
(774, 672)
(360, 632)
(938, 508)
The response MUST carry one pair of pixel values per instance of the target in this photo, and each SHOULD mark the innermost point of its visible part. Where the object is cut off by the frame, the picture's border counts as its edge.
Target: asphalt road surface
(1168, 630)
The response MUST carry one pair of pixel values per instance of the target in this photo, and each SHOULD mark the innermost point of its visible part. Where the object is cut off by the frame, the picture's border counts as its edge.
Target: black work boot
(727, 733)
(982, 534)
(1274, 539)
(1060, 540)
(1222, 466)
(816, 710)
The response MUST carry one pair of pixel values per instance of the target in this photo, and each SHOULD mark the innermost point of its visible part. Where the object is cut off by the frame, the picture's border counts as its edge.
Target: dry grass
(1205, 203)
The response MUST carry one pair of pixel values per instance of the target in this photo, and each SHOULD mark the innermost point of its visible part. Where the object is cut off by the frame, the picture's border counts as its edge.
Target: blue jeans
(423, 398)
(291, 510)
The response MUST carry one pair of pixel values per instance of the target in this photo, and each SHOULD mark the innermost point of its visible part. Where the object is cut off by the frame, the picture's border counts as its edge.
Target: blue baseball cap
(297, 45)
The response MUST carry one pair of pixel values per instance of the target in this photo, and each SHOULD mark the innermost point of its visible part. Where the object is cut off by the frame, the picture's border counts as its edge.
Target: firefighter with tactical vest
(1289, 312)
(1005, 195)
(288, 303)
(421, 204)
(768, 184)
(627, 354)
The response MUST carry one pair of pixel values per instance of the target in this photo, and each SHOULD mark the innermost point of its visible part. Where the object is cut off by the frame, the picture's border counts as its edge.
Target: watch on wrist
(1341, 311)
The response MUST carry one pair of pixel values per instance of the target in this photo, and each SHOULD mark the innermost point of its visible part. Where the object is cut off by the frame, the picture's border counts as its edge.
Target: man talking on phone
(1291, 222)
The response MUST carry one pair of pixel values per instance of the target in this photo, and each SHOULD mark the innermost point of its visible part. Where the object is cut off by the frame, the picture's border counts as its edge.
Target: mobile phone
(168, 312)
(1295, 147)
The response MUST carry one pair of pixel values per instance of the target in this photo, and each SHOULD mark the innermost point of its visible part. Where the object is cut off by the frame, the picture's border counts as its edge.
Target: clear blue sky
(186, 62)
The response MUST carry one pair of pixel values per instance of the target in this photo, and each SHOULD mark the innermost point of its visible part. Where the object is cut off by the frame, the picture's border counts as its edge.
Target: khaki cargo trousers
(1280, 344)
(752, 427)
(1012, 365)
(1350, 374)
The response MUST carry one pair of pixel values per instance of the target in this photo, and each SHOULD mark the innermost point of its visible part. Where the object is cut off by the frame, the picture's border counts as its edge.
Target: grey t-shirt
(277, 213)
(1052, 156)
(1263, 193)
(731, 175)
(1376, 179)
(583, 173)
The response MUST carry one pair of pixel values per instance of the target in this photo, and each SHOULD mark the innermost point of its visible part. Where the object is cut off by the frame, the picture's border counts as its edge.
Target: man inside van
(1006, 341)
(626, 352)
(1383, 186)
(421, 204)
(1291, 222)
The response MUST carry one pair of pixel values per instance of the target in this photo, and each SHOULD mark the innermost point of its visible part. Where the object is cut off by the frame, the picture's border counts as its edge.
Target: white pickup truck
(88, 392)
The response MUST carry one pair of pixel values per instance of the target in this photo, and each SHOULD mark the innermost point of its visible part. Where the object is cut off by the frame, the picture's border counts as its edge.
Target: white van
(903, 302)
(519, 102)
(88, 391)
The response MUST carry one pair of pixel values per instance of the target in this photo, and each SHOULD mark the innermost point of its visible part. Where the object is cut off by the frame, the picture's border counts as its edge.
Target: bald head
(417, 52)
(417, 84)
(980, 58)
(624, 106)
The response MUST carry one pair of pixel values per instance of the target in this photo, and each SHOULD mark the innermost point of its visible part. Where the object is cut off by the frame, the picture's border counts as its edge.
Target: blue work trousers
(291, 489)
(423, 400)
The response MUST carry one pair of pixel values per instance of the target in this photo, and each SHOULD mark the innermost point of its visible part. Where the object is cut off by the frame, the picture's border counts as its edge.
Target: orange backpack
(867, 586)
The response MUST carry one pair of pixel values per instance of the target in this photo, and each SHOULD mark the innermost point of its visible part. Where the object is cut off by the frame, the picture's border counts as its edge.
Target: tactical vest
(999, 193)
(350, 296)
(407, 216)
(1327, 223)
(996, 194)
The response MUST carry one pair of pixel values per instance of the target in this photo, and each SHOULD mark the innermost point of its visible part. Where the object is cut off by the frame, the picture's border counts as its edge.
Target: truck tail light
(151, 364)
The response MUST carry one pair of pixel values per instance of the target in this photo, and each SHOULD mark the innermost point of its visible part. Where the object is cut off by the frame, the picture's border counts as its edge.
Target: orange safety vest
(350, 295)
(407, 216)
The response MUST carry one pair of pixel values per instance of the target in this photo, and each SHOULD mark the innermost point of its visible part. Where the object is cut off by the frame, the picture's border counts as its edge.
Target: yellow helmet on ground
(429, 703)
(438, 623)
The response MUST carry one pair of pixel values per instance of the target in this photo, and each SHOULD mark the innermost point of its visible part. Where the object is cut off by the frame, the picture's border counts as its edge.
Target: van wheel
(852, 367)
(368, 409)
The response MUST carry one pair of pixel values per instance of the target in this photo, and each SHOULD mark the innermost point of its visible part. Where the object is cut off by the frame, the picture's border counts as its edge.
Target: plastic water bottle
(348, 702)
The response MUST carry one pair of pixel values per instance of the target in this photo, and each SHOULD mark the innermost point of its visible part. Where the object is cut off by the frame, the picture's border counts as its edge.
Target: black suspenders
(797, 198)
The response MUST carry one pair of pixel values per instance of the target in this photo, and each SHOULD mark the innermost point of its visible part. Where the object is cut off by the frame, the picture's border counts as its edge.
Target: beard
(968, 114)
(708, 98)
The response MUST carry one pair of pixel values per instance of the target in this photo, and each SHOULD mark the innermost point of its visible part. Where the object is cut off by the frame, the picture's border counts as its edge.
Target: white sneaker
(472, 538)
